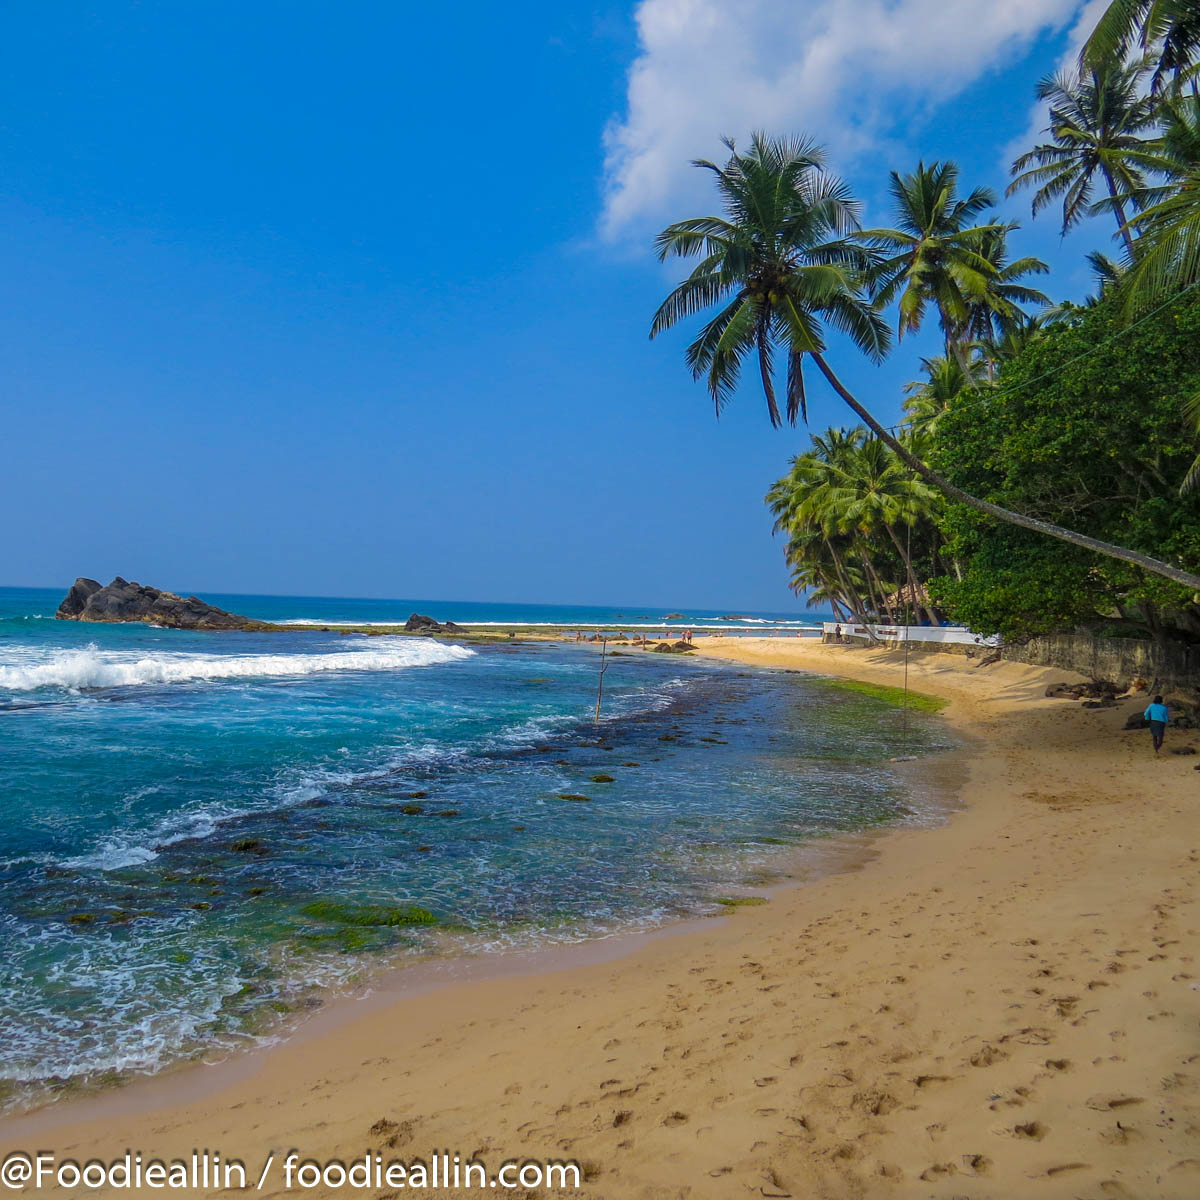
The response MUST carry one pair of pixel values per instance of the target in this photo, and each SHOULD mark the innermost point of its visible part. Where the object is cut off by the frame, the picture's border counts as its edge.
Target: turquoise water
(331, 611)
(205, 831)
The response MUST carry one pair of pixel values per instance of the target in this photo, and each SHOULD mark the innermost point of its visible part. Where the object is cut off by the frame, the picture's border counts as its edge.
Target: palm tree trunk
(912, 575)
(882, 603)
(1153, 565)
(853, 599)
(872, 590)
(1119, 208)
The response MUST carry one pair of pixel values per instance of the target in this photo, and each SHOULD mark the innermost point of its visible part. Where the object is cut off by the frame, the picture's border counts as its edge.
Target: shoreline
(505, 1065)
(402, 978)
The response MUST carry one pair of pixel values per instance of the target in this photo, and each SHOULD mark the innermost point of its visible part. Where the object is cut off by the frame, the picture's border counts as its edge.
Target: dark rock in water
(419, 623)
(82, 590)
(125, 601)
(602, 779)
(675, 617)
(249, 846)
(672, 648)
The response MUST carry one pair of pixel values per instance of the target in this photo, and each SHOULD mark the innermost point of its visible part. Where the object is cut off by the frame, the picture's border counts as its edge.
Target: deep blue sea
(204, 832)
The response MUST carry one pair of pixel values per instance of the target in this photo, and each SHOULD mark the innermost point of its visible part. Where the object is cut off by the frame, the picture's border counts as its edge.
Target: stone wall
(1118, 660)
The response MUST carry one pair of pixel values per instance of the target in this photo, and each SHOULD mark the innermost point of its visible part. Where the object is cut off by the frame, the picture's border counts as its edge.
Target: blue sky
(353, 300)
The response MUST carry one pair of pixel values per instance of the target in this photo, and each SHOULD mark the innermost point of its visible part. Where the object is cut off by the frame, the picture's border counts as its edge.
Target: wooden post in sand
(600, 687)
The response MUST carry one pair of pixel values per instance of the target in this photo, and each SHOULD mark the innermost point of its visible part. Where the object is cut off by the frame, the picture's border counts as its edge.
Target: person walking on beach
(1158, 716)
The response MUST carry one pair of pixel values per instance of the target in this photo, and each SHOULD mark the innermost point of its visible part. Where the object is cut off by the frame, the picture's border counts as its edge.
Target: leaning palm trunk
(879, 604)
(906, 558)
(853, 599)
(1154, 565)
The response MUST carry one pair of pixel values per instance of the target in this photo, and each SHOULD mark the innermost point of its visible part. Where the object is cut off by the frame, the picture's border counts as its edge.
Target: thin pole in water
(600, 686)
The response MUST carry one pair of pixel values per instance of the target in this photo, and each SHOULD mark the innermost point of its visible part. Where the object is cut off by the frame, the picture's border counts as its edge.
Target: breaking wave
(76, 670)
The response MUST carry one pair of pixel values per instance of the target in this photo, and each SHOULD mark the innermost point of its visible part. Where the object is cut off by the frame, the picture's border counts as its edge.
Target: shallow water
(197, 822)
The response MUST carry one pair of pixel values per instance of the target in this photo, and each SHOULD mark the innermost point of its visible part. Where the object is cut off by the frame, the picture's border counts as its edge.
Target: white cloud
(845, 71)
(1039, 115)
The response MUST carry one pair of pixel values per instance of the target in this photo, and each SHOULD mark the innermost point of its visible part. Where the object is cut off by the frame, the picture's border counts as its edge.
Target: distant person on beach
(837, 633)
(1158, 716)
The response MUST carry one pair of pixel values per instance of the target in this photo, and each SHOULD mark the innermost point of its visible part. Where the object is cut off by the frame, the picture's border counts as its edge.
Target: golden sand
(1005, 1006)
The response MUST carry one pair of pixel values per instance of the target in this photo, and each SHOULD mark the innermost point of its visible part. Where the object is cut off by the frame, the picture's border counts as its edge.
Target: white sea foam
(94, 668)
(724, 626)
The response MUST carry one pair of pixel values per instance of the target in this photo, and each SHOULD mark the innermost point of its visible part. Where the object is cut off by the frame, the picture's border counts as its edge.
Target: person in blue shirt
(1156, 713)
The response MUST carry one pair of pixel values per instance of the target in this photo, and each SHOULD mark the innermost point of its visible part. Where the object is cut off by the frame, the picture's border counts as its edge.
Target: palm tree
(1179, 142)
(1096, 123)
(846, 494)
(1169, 27)
(1108, 275)
(1168, 227)
(819, 553)
(780, 264)
(945, 378)
(783, 260)
(934, 253)
(872, 493)
(1168, 242)
(995, 317)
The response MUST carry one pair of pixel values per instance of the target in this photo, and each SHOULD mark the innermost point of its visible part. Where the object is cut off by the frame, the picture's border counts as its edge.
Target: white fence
(912, 633)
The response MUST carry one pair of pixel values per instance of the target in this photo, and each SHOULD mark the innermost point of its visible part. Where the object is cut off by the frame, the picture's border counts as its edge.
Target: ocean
(207, 833)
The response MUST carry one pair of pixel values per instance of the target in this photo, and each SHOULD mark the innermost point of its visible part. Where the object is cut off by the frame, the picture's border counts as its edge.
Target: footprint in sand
(875, 1103)
(977, 1164)
(926, 1081)
(1120, 1135)
(986, 1055)
(938, 1171)
(1032, 1131)
(1107, 1102)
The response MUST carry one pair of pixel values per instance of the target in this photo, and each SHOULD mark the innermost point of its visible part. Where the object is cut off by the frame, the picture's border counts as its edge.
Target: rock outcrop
(418, 623)
(1095, 689)
(673, 648)
(124, 601)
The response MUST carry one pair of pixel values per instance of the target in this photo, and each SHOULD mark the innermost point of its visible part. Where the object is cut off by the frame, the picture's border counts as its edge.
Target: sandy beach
(1005, 1006)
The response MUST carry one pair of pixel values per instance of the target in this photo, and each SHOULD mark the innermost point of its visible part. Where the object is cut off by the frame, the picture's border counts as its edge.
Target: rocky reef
(121, 600)
(418, 623)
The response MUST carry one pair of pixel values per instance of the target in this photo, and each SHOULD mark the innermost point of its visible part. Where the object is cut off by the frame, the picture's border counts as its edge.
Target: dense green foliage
(1093, 438)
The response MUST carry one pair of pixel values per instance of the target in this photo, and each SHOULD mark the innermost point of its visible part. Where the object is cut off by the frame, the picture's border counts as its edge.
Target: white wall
(914, 633)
